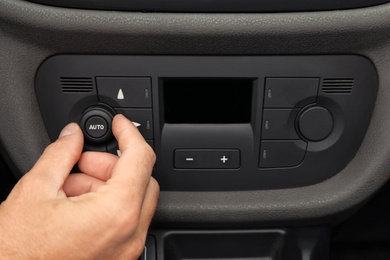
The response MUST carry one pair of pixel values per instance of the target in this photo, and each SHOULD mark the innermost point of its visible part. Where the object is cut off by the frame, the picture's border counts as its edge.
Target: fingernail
(120, 115)
(68, 130)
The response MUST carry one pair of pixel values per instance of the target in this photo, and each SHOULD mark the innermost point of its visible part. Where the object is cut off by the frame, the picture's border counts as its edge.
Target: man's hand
(103, 213)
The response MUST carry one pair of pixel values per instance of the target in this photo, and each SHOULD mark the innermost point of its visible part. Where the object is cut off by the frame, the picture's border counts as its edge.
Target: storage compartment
(251, 245)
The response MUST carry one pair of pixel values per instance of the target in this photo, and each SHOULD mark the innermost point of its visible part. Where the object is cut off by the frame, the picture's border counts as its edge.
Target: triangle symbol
(120, 94)
(136, 124)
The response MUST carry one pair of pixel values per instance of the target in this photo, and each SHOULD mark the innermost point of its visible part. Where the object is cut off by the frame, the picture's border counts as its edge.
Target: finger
(132, 172)
(135, 244)
(78, 184)
(126, 133)
(149, 205)
(58, 159)
(97, 164)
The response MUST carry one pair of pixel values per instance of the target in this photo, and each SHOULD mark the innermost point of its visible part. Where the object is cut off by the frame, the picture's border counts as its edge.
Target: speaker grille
(337, 86)
(76, 85)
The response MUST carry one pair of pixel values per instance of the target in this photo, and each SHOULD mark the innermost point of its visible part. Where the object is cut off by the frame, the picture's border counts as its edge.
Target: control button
(290, 92)
(206, 159)
(278, 154)
(96, 127)
(315, 123)
(96, 124)
(279, 124)
(125, 92)
(141, 118)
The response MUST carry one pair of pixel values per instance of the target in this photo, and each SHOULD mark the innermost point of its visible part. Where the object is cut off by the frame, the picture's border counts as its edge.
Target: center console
(219, 123)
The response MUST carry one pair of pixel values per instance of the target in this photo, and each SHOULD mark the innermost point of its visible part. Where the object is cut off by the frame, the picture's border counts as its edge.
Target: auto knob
(96, 123)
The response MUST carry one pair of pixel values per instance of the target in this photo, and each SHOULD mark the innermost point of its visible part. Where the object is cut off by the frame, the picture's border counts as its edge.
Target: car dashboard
(270, 125)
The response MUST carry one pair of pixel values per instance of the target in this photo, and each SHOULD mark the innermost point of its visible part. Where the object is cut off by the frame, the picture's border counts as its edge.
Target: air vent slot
(76, 85)
(337, 86)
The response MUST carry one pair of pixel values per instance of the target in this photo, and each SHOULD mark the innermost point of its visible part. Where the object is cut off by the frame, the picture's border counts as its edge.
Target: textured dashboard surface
(30, 33)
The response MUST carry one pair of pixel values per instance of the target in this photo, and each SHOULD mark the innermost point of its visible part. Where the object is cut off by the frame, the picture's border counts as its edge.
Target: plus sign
(224, 159)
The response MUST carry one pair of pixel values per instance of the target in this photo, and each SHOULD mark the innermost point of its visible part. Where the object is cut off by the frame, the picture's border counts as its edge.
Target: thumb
(58, 159)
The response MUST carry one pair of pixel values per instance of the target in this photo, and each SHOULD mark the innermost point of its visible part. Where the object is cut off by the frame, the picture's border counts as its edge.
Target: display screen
(207, 101)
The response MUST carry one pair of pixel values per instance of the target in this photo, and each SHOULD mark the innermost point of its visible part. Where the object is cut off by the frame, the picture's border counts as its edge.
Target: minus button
(189, 159)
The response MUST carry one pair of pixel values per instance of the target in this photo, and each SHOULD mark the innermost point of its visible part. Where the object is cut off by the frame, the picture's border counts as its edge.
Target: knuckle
(134, 249)
(148, 154)
(138, 245)
(143, 154)
(155, 184)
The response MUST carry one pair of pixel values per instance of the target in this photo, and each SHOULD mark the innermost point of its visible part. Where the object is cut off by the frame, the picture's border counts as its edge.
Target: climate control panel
(292, 117)
(218, 123)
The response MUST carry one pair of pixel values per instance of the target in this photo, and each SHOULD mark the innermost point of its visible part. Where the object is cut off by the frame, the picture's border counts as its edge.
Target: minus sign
(189, 159)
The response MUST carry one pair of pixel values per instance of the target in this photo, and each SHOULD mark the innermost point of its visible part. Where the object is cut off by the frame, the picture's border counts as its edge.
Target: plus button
(224, 159)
